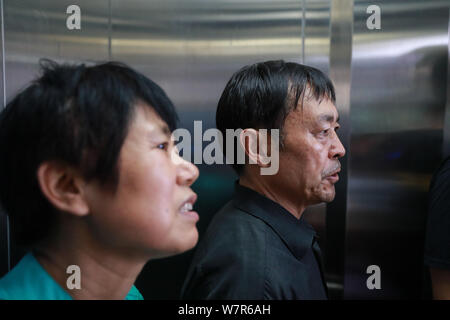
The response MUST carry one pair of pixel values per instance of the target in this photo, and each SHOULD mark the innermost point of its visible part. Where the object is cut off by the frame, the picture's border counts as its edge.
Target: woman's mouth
(187, 206)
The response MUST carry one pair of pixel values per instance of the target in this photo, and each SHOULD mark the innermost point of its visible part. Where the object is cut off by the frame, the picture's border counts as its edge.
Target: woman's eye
(162, 146)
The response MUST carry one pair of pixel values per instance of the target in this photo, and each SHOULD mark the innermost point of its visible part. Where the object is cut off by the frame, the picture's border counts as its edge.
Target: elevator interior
(392, 88)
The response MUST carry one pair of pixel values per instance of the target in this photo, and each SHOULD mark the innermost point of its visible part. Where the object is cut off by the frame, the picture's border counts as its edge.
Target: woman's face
(150, 214)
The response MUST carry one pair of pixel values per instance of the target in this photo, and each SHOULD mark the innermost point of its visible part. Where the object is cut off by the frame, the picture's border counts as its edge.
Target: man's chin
(328, 195)
(329, 199)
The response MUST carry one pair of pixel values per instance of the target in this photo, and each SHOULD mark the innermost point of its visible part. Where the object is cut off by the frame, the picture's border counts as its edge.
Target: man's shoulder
(229, 261)
(232, 236)
(232, 224)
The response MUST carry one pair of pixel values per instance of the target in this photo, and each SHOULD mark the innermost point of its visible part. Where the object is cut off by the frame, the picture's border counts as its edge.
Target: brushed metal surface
(4, 221)
(341, 28)
(446, 143)
(398, 94)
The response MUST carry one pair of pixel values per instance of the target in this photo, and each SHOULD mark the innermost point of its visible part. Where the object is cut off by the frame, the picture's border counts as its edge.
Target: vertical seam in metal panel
(303, 29)
(348, 141)
(341, 46)
(4, 105)
(109, 29)
(446, 129)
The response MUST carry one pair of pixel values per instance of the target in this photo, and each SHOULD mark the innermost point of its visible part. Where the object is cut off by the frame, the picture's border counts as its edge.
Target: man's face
(149, 215)
(309, 162)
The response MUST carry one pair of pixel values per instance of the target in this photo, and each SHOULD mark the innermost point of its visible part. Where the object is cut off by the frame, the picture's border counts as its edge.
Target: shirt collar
(297, 234)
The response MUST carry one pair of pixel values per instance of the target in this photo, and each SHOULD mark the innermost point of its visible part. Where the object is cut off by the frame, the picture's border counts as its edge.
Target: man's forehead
(318, 110)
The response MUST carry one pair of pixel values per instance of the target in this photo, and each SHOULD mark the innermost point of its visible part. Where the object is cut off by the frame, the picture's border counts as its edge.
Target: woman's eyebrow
(159, 130)
(165, 129)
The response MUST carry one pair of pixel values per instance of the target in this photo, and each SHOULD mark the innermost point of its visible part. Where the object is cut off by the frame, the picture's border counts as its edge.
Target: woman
(92, 182)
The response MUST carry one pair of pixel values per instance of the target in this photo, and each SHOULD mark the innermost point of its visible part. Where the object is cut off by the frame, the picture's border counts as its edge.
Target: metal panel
(341, 25)
(4, 223)
(317, 34)
(446, 143)
(398, 94)
(191, 48)
(37, 29)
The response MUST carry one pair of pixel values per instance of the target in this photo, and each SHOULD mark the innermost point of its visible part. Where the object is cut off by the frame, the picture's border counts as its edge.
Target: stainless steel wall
(391, 85)
(4, 223)
(398, 95)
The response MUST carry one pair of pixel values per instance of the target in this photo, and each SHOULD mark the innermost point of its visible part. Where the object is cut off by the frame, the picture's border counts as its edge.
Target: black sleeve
(226, 279)
(437, 244)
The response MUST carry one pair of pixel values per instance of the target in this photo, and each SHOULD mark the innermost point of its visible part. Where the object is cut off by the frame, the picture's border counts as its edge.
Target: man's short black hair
(261, 96)
(78, 115)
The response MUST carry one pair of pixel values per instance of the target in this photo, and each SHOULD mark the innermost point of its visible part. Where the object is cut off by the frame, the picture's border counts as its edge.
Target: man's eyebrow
(327, 118)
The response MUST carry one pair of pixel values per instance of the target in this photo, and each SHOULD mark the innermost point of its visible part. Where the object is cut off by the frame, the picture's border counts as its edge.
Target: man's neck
(261, 186)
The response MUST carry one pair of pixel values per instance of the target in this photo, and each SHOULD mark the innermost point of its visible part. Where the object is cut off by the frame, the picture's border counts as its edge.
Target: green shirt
(28, 280)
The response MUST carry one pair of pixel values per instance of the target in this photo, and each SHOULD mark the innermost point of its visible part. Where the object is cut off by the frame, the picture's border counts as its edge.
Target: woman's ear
(64, 187)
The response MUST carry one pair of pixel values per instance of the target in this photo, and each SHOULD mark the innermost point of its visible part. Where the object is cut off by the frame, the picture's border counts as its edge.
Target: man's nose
(337, 149)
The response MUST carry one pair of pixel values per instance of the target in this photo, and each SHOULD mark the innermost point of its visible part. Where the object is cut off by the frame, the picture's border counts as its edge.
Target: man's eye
(325, 132)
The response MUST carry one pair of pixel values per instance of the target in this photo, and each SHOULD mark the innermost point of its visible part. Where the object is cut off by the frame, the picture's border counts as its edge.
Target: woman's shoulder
(29, 281)
(134, 294)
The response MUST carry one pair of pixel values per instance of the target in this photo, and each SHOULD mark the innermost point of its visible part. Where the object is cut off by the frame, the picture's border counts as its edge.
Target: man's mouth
(333, 174)
(333, 178)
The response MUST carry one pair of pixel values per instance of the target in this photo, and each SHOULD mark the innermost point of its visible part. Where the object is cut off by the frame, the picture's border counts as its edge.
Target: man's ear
(255, 146)
(63, 187)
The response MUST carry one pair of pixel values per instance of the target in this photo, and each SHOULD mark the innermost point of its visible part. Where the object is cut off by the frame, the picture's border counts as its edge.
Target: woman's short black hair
(262, 94)
(75, 114)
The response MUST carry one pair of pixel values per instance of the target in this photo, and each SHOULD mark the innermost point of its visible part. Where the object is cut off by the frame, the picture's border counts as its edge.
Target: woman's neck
(104, 273)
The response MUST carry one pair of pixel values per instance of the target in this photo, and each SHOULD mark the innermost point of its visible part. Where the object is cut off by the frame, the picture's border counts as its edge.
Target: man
(437, 245)
(258, 246)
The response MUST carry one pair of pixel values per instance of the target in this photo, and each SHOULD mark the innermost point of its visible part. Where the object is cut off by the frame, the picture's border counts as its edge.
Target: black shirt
(437, 244)
(255, 249)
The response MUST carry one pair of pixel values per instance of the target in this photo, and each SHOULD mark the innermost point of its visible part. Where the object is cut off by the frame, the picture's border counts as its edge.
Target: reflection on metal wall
(398, 93)
(446, 144)
(341, 27)
(4, 223)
